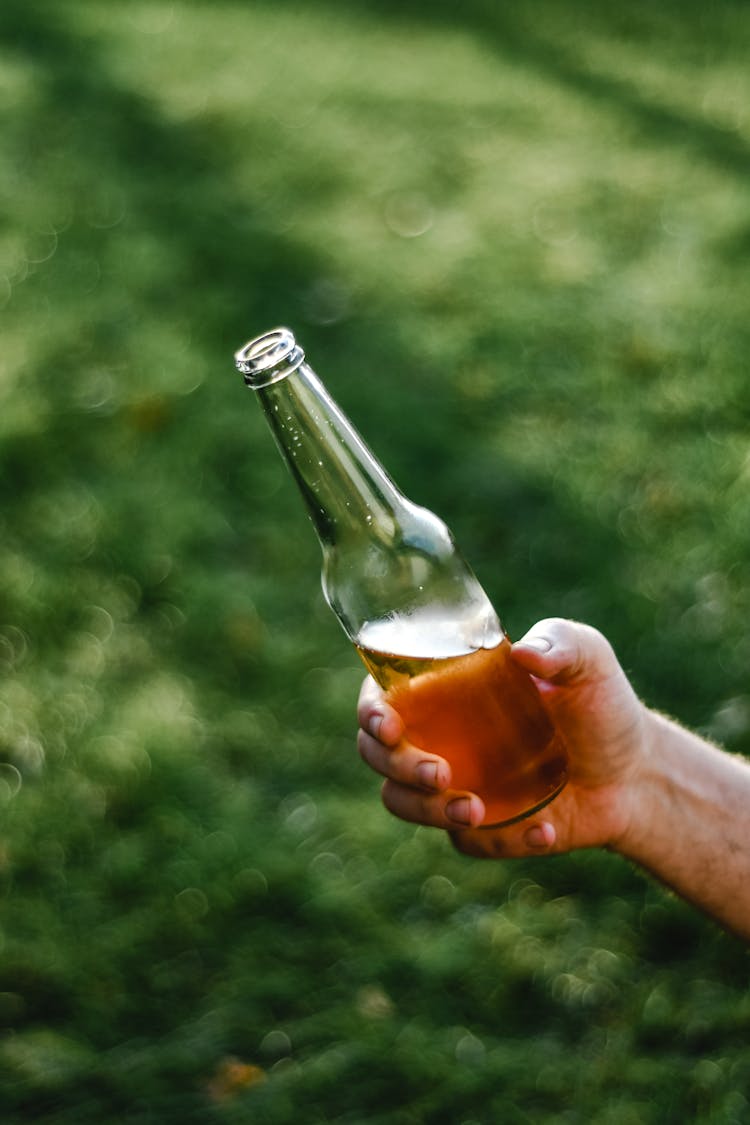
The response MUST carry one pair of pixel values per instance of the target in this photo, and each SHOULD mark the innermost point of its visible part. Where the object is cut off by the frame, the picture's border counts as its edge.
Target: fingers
(417, 783)
(529, 838)
(565, 652)
(403, 762)
(376, 717)
(382, 746)
(450, 809)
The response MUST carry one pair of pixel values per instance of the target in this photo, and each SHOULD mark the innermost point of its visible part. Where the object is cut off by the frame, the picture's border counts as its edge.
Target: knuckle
(598, 647)
(467, 844)
(364, 746)
(389, 798)
(426, 808)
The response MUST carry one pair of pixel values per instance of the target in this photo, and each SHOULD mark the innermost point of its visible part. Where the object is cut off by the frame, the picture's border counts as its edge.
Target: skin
(640, 784)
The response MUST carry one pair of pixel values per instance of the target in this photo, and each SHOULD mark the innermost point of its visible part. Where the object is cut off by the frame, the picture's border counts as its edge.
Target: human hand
(601, 721)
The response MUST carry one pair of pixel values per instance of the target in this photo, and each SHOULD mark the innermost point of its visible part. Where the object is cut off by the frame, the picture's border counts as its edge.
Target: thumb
(565, 652)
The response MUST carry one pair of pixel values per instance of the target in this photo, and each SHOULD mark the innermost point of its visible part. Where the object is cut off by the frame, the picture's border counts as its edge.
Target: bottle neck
(396, 561)
(344, 487)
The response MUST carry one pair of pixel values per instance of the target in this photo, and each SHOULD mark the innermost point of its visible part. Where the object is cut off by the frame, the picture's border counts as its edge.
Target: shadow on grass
(524, 35)
(222, 270)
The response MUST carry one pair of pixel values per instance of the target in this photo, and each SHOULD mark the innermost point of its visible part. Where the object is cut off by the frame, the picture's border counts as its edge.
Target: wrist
(640, 787)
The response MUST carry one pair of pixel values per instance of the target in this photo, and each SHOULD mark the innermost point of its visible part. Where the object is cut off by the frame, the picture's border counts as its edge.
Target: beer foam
(431, 634)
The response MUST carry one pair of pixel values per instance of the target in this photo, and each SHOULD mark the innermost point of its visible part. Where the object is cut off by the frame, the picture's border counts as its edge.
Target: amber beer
(480, 712)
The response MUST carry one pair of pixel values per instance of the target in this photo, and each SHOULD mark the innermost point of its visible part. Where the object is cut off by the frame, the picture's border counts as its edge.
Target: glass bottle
(407, 599)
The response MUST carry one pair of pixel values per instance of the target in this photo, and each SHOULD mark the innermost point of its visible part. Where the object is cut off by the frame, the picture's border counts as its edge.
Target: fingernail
(374, 724)
(459, 810)
(536, 837)
(427, 773)
(539, 644)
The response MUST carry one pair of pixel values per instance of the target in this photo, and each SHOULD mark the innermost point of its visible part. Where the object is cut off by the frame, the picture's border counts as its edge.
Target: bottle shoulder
(421, 529)
(410, 568)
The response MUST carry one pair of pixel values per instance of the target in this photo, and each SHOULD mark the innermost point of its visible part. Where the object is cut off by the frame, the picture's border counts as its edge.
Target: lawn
(513, 240)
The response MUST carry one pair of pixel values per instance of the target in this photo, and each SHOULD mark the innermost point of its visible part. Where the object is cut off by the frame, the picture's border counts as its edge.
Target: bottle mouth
(269, 357)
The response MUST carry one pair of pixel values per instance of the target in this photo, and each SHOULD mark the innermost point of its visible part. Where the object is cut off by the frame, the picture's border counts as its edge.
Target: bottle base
(527, 812)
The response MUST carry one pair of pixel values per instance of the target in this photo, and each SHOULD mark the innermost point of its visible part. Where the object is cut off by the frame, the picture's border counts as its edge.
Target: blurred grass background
(513, 240)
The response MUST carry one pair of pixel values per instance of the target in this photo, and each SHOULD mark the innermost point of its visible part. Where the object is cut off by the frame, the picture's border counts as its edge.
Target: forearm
(691, 823)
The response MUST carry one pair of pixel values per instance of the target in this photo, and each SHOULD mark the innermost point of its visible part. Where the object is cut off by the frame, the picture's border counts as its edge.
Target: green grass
(514, 244)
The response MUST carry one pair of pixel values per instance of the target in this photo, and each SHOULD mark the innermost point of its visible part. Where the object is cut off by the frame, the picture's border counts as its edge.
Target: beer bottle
(407, 599)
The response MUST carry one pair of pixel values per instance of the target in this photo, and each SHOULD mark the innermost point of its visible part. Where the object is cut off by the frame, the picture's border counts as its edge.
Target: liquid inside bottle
(475, 708)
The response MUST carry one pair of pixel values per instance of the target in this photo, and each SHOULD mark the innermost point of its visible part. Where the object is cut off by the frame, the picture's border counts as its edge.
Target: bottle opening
(269, 357)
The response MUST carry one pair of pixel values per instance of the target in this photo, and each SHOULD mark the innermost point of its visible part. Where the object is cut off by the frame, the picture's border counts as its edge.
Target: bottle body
(406, 598)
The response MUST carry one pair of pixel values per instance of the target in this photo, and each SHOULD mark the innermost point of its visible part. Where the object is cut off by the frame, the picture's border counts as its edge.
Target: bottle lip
(269, 357)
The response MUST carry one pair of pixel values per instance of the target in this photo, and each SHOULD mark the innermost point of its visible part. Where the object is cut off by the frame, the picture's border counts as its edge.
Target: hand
(600, 719)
